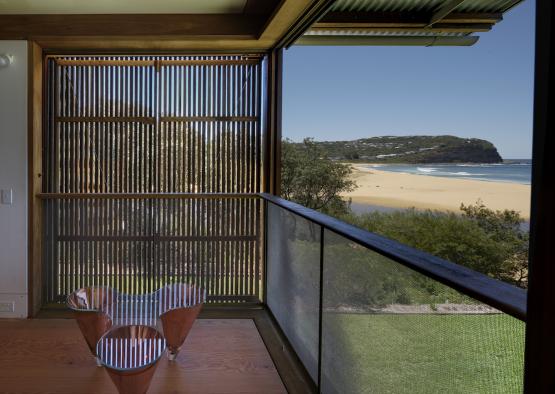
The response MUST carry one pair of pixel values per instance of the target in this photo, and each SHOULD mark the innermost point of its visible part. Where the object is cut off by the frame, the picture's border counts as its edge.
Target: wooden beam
(155, 63)
(260, 7)
(254, 31)
(171, 26)
(105, 119)
(152, 119)
(159, 238)
(310, 16)
(209, 119)
(387, 40)
(472, 18)
(142, 196)
(285, 16)
(34, 103)
(444, 10)
(373, 18)
(147, 45)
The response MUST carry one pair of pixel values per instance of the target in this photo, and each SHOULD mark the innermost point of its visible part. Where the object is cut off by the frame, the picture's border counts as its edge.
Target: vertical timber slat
(206, 138)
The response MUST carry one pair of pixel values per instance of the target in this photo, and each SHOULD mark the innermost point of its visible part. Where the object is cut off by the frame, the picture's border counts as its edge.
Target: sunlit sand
(399, 190)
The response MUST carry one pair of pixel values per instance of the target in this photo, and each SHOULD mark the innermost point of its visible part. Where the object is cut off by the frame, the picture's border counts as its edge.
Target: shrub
(487, 241)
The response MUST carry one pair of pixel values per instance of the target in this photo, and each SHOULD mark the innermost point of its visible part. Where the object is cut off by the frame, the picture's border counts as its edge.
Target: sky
(483, 91)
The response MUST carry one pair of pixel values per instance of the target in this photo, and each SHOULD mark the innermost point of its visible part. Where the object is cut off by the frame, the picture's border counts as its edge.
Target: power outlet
(8, 307)
(6, 196)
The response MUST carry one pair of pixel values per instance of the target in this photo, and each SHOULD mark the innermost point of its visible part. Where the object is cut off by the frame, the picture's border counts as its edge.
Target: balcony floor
(219, 356)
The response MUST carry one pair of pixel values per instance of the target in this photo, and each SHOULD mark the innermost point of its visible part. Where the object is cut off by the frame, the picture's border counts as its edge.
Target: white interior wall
(13, 175)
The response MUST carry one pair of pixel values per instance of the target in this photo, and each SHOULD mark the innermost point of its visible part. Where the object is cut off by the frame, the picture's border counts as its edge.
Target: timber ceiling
(122, 7)
(151, 26)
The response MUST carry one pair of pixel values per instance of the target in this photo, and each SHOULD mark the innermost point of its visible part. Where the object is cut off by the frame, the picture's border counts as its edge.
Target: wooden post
(34, 99)
(272, 162)
(539, 376)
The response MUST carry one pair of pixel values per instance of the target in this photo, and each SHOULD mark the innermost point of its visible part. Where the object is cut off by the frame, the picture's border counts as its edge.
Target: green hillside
(413, 149)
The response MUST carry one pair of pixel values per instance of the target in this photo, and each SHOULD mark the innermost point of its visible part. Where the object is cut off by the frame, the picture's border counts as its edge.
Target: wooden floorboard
(219, 356)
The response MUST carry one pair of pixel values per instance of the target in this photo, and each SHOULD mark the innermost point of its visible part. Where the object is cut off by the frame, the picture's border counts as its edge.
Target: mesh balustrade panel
(388, 329)
(293, 281)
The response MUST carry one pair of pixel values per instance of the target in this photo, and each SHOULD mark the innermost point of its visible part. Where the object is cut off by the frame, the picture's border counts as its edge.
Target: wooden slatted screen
(153, 124)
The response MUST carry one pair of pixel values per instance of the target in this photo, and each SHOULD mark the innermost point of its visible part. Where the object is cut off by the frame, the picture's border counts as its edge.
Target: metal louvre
(421, 5)
(406, 22)
(153, 124)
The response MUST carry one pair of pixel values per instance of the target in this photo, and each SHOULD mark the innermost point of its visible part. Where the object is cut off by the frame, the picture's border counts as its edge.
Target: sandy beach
(400, 190)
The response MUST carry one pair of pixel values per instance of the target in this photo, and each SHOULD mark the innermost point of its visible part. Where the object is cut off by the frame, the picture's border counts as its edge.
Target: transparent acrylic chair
(117, 325)
(130, 355)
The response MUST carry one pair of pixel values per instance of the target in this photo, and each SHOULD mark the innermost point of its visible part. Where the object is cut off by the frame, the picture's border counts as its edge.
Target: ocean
(516, 171)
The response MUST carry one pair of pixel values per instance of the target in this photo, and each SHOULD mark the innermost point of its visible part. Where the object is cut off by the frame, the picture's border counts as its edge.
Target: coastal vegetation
(311, 179)
(385, 327)
(410, 149)
(488, 241)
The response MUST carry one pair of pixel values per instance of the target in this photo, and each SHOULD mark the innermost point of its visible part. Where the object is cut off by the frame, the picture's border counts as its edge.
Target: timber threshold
(219, 356)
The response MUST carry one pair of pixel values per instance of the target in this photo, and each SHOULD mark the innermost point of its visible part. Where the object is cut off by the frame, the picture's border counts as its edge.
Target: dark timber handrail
(502, 296)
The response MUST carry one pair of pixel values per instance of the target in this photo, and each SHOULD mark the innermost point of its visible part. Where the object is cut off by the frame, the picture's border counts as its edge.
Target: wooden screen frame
(37, 55)
(35, 94)
(272, 147)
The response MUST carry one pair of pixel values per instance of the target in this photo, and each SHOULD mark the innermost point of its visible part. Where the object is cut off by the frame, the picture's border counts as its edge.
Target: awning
(406, 22)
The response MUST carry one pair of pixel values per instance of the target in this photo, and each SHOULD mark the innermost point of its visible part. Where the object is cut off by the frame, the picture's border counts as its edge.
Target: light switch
(7, 196)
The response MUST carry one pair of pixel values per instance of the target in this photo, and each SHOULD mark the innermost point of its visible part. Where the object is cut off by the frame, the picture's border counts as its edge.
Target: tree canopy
(490, 242)
(313, 180)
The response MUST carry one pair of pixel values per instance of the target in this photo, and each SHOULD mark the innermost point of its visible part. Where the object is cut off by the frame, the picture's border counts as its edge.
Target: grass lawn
(366, 353)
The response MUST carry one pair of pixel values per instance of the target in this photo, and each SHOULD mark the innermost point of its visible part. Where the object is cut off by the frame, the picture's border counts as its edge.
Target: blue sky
(483, 91)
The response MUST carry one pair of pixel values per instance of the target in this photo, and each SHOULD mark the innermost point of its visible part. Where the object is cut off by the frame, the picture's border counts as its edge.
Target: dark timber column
(540, 331)
(272, 162)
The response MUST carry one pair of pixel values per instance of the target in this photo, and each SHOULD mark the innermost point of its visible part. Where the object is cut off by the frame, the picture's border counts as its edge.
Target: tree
(311, 179)
(503, 228)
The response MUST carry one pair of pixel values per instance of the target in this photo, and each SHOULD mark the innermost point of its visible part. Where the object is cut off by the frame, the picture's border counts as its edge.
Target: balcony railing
(362, 312)
(367, 314)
